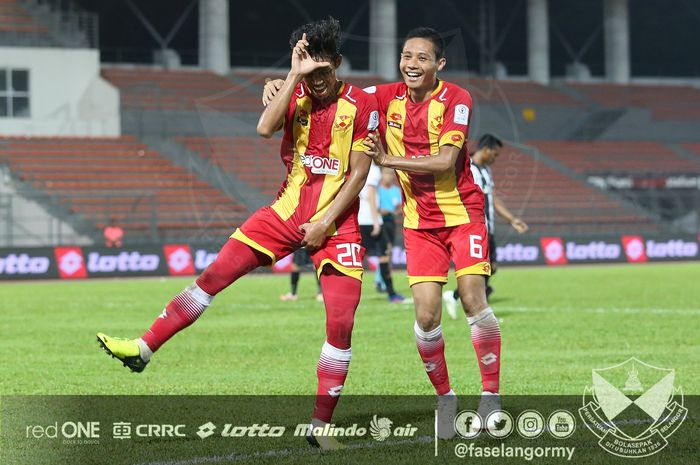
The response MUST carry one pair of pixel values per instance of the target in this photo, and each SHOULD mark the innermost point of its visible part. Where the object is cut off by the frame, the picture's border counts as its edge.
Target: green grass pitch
(557, 324)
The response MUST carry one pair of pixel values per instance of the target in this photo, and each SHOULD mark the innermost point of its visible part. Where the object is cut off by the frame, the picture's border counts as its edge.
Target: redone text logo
(321, 165)
(124, 262)
(22, 264)
(68, 430)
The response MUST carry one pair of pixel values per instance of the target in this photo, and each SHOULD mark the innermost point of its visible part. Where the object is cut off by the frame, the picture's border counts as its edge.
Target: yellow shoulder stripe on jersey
(455, 138)
(352, 272)
(251, 243)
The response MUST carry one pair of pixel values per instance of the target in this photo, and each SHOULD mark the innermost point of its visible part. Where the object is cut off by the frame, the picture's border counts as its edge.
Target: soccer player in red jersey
(325, 122)
(425, 123)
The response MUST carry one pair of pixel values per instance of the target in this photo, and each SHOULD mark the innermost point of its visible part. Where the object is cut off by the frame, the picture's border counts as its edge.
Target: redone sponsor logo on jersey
(321, 165)
(594, 250)
(675, 248)
(517, 253)
(123, 262)
(23, 264)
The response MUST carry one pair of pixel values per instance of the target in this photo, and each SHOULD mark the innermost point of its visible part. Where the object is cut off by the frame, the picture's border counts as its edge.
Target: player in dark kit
(325, 122)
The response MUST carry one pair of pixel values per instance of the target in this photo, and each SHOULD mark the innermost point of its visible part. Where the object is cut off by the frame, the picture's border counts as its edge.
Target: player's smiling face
(323, 83)
(419, 65)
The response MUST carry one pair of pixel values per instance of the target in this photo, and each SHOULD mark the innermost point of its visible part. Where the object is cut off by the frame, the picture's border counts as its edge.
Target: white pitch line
(230, 458)
(656, 311)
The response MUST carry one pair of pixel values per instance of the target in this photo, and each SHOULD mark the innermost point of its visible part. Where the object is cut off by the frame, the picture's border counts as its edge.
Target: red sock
(235, 259)
(341, 294)
(431, 347)
(486, 337)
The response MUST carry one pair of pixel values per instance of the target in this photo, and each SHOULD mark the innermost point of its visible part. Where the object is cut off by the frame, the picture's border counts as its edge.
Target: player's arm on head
(500, 207)
(315, 233)
(272, 118)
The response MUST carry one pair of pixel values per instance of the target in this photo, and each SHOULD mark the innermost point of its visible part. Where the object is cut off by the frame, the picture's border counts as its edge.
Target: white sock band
(199, 295)
(429, 335)
(483, 317)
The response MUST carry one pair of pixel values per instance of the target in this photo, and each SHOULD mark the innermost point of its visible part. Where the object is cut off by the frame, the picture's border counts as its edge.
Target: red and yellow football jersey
(419, 130)
(316, 146)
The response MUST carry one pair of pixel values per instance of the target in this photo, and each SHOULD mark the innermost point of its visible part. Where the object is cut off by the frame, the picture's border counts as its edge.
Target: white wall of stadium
(68, 97)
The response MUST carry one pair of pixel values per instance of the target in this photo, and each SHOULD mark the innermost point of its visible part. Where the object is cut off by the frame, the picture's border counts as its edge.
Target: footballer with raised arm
(425, 122)
(325, 122)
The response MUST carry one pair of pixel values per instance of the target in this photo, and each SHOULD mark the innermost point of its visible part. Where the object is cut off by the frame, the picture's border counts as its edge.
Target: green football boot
(127, 351)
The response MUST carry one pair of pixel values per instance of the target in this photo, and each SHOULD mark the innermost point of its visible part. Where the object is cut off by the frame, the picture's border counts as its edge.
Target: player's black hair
(430, 34)
(323, 37)
(489, 141)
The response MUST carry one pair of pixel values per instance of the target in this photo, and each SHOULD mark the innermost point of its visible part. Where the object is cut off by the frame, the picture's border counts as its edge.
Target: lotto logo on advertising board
(517, 253)
(553, 250)
(179, 260)
(123, 262)
(634, 249)
(23, 264)
(70, 262)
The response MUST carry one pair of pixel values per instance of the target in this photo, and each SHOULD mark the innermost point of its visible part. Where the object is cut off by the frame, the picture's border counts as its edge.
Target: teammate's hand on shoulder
(375, 149)
(272, 86)
(314, 234)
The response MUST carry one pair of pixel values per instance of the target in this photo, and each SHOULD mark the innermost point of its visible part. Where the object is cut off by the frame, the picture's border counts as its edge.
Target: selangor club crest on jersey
(632, 408)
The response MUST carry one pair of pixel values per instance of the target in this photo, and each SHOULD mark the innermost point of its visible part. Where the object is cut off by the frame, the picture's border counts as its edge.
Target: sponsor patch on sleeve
(461, 114)
(373, 121)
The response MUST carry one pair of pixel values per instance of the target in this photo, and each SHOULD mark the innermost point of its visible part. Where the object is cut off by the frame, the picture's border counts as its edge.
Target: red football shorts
(266, 232)
(429, 251)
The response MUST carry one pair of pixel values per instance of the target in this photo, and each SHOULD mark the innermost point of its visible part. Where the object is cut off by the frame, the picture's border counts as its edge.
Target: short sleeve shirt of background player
(318, 138)
(418, 130)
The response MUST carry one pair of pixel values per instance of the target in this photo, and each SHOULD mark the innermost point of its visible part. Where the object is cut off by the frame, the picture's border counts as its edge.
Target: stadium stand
(252, 160)
(605, 157)
(512, 92)
(16, 19)
(664, 102)
(693, 147)
(121, 179)
(185, 90)
(553, 203)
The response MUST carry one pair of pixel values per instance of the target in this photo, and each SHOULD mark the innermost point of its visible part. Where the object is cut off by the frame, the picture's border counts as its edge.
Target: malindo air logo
(633, 408)
(380, 428)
